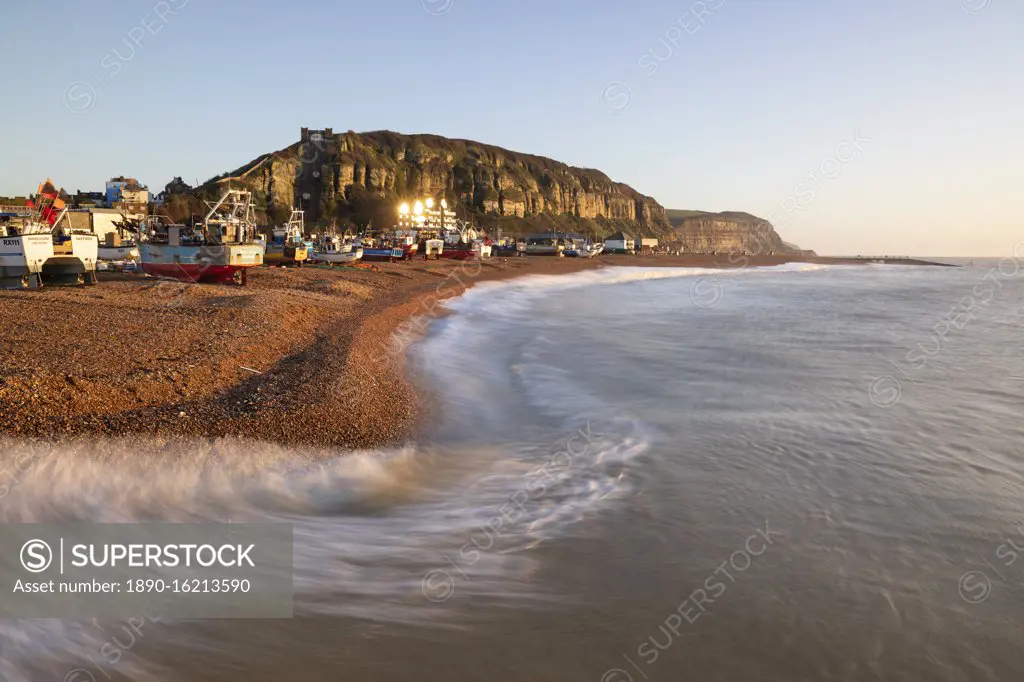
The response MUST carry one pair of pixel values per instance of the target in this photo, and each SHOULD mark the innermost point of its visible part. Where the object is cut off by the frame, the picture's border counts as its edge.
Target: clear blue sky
(735, 115)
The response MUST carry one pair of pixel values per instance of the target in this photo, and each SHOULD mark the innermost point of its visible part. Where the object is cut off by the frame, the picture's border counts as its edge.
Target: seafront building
(647, 244)
(620, 242)
(126, 193)
(101, 221)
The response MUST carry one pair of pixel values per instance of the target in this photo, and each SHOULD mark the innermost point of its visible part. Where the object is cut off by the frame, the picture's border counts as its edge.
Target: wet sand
(304, 357)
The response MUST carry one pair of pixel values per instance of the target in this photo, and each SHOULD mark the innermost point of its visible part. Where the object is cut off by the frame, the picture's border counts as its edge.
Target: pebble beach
(300, 357)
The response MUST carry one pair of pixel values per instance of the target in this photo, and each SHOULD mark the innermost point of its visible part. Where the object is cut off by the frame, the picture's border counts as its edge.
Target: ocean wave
(368, 526)
(515, 296)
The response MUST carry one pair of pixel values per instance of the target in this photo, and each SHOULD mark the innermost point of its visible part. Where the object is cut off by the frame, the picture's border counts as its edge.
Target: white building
(100, 220)
(620, 242)
(135, 198)
(127, 193)
(648, 243)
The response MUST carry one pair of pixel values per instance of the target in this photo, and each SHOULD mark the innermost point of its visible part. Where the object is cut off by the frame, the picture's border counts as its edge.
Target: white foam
(514, 296)
(368, 526)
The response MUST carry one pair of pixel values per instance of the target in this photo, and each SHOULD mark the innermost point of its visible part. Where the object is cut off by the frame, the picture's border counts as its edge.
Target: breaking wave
(368, 526)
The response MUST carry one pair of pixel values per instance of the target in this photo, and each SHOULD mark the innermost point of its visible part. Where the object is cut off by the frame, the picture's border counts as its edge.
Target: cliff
(360, 178)
(726, 232)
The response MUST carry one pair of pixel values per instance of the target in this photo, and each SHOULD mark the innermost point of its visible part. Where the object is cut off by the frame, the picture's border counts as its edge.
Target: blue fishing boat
(384, 254)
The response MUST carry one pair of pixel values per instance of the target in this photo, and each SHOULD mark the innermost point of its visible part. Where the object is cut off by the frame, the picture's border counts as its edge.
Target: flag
(48, 189)
(49, 215)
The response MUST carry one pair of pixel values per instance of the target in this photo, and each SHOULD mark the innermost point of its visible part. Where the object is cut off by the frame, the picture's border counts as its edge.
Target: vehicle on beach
(433, 247)
(332, 249)
(287, 245)
(219, 250)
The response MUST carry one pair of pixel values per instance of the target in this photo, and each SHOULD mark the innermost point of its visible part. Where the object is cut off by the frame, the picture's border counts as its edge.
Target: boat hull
(67, 271)
(118, 253)
(339, 257)
(84, 247)
(288, 255)
(384, 254)
(22, 259)
(213, 264)
(193, 272)
(73, 262)
(532, 250)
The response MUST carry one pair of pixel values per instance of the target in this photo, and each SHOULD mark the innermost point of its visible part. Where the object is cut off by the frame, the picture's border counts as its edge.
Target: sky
(872, 127)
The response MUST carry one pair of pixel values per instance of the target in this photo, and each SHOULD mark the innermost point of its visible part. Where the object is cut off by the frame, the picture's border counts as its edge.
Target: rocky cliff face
(361, 178)
(729, 232)
(322, 170)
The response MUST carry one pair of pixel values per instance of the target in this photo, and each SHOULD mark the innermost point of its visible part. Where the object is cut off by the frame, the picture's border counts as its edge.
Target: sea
(800, 472)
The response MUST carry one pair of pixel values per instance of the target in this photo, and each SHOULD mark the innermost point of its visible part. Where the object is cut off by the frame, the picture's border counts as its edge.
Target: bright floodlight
(430, 203)
(404, 209)
(418, 208)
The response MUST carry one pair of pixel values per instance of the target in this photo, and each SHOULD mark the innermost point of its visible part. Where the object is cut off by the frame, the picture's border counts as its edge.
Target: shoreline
(305, 357)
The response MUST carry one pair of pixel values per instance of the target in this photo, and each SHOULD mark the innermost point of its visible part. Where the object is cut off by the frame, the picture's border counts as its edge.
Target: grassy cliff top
(677, 216)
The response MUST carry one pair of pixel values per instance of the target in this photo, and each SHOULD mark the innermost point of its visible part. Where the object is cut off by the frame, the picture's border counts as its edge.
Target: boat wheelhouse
(219, 250)
(287, 245)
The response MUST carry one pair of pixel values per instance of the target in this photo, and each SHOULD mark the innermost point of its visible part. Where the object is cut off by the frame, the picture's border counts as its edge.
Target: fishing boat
(458, 250)
(509, 247)
(545, 245)
(122, 244)
(71, 256)
(219, 250)
(462, 242)
(287, 245)
(23, 251)
(582, 249)
(388, 248)
(74, 258)
(407, 241)
(389, 254)
(332, 249)
(115, 248)
(112, 251)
